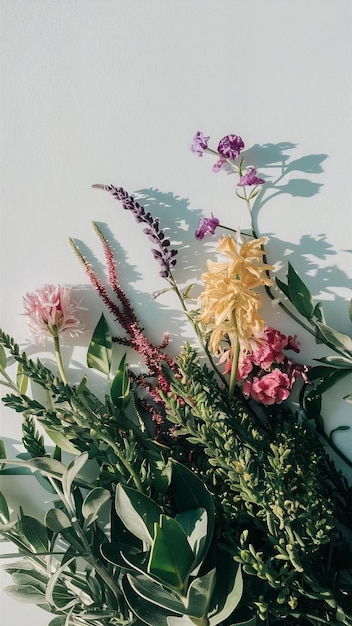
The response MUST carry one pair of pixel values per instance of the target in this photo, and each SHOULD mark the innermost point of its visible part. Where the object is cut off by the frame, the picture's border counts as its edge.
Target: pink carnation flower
(272, 388)
(50, 310)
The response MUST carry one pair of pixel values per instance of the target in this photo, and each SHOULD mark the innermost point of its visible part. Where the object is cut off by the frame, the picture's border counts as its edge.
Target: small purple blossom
(229, 148)
(206, 225)
(250, 178)
(200, 143)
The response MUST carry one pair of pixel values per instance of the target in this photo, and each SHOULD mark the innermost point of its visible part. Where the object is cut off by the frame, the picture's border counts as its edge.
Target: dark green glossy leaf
(283, 287)
(100, 348)
(336, 361)
(171, 557)
(35, 533)
(329, 380)
(4, 509)
(299, 294)
(120, 387)
(138, 512)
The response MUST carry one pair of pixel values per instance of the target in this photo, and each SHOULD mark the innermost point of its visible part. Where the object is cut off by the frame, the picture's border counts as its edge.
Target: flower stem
(59, 357)
(234, 366)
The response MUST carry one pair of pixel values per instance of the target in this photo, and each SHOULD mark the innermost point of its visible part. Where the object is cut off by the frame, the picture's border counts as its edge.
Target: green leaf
(71, 473)
(59, 523)
(45, 465)
(57, 520)
(2, 453)
(199, 594)
(152, 591)
(2, 358)
(138, 512)
(195, 526)
(61, 441)
(4, 509)
(336, 361)
(330, 379)
(120, 387)
(25, 593)
(299, 294)
(35, 533)
(189, 493)
(228, 588)
(100, 348)
(58, 621)
(283, 287)
(171, 557)
(93, 503)
(21, 379)
(334, 337)
(147, 612)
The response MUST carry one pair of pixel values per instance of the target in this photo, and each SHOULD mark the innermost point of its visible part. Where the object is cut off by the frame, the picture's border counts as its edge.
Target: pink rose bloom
(272, 388)
(50, 311)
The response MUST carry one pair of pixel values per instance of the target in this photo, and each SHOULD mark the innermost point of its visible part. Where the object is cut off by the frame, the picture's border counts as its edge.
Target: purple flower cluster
(229, 148)
(163, 254)
(250, 178)
(206, 225)
(200, 143)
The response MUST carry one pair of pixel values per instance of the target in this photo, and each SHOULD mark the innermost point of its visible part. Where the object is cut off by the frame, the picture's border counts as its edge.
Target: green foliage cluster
(272, 482)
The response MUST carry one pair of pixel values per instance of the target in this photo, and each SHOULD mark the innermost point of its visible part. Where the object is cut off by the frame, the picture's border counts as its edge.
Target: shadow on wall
(179, 222)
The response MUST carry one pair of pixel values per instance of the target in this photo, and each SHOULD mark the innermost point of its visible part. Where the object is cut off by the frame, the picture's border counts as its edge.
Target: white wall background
(113, 91)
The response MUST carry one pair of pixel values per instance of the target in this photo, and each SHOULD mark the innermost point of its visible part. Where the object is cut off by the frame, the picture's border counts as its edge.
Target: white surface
(111, 91)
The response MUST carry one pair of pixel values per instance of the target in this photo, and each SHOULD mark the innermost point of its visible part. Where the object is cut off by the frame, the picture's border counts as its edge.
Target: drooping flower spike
(163, 254)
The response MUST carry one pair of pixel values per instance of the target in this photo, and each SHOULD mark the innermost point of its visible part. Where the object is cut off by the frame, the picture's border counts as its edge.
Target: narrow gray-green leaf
(100, 348)
(2, 358)
(21, 379)
(25, 593)
(72, 471)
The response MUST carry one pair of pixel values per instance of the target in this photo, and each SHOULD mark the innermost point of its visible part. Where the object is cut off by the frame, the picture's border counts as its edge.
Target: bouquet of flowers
(200, 490)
